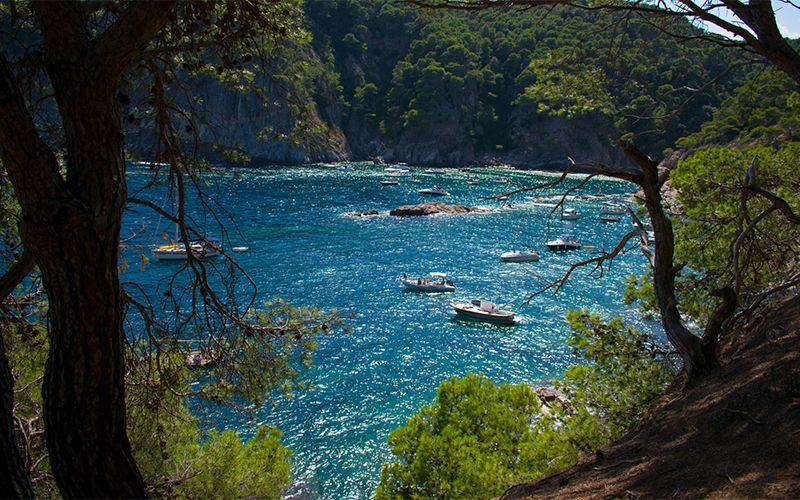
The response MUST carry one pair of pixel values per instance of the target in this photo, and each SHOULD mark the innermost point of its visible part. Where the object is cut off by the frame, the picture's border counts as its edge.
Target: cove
(306, 249)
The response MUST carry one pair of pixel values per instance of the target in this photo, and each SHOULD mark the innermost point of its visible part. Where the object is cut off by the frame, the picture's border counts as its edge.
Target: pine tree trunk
(75, 238)
(689, 346)
(71, 226)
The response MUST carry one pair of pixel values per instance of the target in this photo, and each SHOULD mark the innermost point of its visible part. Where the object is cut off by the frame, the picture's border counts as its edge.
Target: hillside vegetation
(528, 88)
(733, 436)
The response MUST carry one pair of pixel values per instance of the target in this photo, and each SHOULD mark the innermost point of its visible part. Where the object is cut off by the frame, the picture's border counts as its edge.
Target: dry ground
(734, 435)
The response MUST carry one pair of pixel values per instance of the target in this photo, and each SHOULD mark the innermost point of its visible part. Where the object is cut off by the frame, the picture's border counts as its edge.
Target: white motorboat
(569, 214)
(520, 256)
(389, 182)
(434, 191)
(609, 217)
(435, 171)
(483, 310)
(177, 251)
(433, 282)
(345, 169)
(563, 242)
(396, 174)
(401, 168)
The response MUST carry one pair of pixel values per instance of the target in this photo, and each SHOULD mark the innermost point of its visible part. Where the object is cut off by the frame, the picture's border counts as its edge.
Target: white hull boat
(563, 242)
(177, 251)
(520, 256)
(482, 310)
(434, 191)
(569, 214)
(433, 282)
(612, 209)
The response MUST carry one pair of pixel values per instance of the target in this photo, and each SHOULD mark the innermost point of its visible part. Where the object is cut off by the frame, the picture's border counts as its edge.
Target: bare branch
(598, 261)
(15, 274)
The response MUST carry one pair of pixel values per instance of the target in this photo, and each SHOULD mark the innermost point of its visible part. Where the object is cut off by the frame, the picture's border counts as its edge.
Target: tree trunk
(71, 226)
(695, 361)
(76, 241)
(83, 389)
(74, 236)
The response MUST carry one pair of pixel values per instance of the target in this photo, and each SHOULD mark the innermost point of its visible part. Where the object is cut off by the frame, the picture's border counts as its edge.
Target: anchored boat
(520, 256)
(483, 310)
(435, 191)
(563, 242)
(433, 282)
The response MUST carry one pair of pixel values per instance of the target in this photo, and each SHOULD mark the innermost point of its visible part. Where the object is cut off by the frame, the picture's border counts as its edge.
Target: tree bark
(71, 226)
(689, 346)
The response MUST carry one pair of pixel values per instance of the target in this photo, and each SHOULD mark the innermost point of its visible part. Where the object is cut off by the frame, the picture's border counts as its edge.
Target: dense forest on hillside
(528, 88)
(522, 86)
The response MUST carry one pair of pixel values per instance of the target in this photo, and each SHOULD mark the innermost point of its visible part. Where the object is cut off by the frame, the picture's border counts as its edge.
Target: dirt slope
(736, 434)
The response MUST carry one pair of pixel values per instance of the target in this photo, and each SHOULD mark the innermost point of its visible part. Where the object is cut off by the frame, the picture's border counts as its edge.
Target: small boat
(389, 182)
(609, 218)
(397, 174)
(472, 182)
(569, 214)
(345, 169)
(435, 171)
(241, 249)
(402, 168)
(435, 191)
(482, 310)
(563, 242)
(613, 208)
(414, 180)
(177, 251)
(433, 282)
(520, 256)
(198, 359)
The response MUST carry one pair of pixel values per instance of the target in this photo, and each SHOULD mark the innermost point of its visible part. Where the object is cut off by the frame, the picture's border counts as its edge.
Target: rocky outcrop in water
(367, 213)
(435, 207)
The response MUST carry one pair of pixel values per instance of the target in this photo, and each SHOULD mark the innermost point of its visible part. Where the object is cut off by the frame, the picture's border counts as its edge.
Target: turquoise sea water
(304, 248)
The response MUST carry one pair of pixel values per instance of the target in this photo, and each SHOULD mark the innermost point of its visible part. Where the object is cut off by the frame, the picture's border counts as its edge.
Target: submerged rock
(366, 213)
(434, 207)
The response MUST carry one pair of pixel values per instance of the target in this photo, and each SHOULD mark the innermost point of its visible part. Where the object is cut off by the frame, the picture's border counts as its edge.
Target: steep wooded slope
(735, 434)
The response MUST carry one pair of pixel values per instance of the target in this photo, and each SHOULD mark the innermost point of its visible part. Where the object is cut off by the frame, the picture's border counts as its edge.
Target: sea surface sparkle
(304, 248)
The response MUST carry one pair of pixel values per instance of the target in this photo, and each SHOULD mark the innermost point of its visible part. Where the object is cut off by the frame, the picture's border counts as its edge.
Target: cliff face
(249, 124)
(551, 141)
